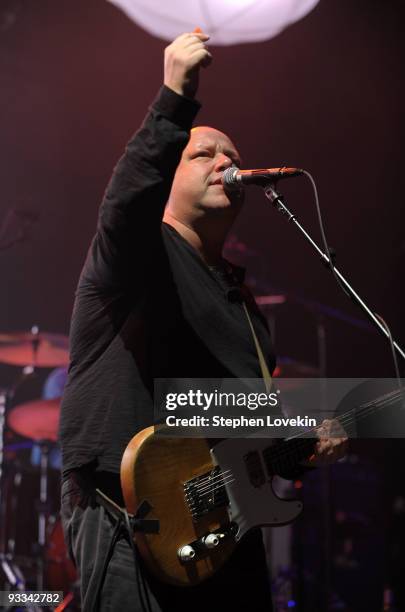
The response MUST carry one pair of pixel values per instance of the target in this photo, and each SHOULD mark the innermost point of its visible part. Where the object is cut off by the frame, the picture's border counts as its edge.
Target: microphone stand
(278, 202)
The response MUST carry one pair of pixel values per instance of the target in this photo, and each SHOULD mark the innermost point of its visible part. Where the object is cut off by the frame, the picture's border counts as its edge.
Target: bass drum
(60, 571)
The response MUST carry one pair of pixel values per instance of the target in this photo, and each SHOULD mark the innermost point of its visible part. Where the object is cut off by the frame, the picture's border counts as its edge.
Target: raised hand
(183, 59)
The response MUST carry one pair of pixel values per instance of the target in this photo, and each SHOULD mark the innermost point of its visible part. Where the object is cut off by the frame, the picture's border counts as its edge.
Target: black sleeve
(131, 212)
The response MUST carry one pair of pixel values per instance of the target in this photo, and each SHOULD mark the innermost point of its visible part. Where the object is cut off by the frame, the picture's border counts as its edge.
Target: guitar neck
(283, 457)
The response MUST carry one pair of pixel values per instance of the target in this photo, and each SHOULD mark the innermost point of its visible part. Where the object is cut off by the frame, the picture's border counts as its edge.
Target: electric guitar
(203, 500)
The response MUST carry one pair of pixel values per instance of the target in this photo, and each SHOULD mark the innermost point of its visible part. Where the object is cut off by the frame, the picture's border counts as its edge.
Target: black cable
(337, 279)
(137, 561)
(394, 357)
(331, 264)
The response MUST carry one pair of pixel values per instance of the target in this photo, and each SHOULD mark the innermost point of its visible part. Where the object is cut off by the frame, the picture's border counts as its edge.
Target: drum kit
(33, 555)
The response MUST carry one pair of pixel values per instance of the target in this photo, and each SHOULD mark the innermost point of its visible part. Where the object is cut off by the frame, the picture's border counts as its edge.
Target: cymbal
(37, 349)
(38, 420)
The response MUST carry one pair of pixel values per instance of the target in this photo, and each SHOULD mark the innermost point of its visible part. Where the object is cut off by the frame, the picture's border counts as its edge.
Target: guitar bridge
(206, 492)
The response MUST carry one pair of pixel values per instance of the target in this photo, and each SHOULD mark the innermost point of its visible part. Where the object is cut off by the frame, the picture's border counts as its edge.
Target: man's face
(197, 183)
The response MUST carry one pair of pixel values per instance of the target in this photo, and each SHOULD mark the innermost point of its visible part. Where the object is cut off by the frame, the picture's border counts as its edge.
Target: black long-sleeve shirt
(146, 306)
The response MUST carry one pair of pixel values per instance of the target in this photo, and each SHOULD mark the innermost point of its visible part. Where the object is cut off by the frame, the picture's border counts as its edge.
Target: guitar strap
(227, 280)
(262, 361)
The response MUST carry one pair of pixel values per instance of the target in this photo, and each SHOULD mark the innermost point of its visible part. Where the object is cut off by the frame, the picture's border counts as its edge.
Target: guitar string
(364, 410)
(206, 488)
(218, 483)
(382, 398)
(194, 504)
(303, 439)
(214, 481)
(217, 486)
(347, 418)
(206, 480)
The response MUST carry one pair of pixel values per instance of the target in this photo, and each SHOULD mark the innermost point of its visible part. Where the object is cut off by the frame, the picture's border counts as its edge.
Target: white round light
(226, 21)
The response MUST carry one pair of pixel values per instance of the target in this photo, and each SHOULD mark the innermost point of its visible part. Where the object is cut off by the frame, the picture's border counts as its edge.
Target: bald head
(197, 189)
(204, 135)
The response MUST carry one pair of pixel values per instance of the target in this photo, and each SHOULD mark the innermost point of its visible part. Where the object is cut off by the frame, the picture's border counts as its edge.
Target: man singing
(156, 299)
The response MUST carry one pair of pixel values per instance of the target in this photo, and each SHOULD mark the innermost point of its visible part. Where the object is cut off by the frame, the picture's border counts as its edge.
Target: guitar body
(204, 499)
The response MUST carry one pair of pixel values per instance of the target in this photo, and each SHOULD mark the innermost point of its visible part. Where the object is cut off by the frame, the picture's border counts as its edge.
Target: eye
(203, 154)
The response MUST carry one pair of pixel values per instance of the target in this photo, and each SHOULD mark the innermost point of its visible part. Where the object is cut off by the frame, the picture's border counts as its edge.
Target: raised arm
(132, 209)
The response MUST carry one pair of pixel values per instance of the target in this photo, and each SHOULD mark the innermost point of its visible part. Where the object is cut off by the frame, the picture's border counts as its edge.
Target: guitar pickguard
(252, 501)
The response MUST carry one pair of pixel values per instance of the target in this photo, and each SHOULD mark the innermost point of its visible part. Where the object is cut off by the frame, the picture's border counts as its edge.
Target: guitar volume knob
(211, 540)
(186, 553)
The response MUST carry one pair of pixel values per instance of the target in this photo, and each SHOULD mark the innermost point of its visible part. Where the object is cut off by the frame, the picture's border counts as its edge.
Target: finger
(185, 35)
(188, 45)
(328, 453)
(193, 42)
(326, 424)
(200, 56)
(202, 51)
(334, 429)
(331, 449)
(200, 35)
(321, 432)
(207, 61)
(325, 446)
(184, 40)
(320, 447)
(338, 446)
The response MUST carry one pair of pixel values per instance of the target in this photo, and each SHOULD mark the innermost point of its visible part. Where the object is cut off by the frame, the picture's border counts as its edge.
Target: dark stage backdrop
(76, 77)
(327, 95)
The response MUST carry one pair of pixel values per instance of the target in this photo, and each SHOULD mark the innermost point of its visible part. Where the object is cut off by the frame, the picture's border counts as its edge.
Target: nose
(223, 162)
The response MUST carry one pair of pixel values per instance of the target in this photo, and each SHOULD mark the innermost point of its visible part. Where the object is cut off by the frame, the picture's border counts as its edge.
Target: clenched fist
(183, 59)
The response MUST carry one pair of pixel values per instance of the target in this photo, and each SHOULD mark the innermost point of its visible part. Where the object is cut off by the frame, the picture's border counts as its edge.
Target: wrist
(183, 88)
(180, 91)
(177, 108)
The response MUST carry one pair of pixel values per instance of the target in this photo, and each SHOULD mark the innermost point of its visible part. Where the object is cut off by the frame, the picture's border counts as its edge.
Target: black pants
(242, 585)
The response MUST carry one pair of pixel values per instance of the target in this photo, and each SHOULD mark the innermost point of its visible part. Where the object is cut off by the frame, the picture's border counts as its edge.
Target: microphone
(233, 178)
